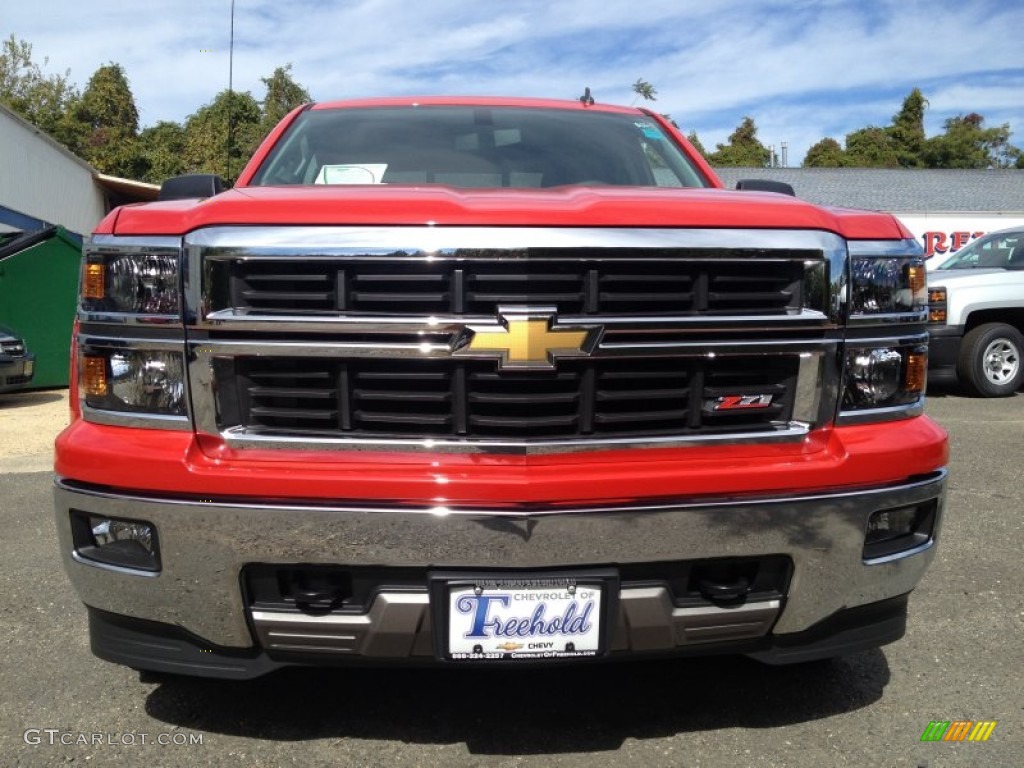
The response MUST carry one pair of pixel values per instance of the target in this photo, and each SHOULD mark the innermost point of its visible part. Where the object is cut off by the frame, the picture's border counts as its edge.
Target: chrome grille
(363, 337)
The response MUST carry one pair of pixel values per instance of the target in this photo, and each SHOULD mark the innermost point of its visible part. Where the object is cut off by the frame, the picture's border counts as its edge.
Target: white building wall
(40, 178)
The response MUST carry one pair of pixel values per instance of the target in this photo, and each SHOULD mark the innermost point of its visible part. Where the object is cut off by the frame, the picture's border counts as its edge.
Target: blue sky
(801, 69)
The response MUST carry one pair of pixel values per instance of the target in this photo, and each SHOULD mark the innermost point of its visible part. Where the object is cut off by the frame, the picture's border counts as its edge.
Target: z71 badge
(739, 402)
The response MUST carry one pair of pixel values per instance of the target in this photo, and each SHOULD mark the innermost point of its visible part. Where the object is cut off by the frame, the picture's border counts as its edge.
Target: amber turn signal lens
(95, 283)
(94, 376)
(917, 278)
(917, 372)
(937, 316)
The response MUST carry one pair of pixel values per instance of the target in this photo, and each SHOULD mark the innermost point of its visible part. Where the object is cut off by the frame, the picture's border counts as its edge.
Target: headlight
(134, 381)
(884, 376)
(131, 280)
(888, 285)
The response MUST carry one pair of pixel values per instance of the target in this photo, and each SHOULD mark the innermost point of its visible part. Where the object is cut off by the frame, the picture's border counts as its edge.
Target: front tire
(990, 363)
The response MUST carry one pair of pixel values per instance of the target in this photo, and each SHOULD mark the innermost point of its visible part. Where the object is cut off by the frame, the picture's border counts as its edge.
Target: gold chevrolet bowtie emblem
(529, 339)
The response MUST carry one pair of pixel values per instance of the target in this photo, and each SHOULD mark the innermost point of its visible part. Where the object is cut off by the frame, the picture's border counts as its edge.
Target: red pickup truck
(494, 382)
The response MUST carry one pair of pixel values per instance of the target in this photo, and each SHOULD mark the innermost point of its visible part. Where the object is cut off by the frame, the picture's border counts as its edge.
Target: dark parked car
(16, 364)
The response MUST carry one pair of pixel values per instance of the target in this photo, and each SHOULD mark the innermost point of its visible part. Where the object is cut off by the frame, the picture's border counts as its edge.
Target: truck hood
(444, 206)
(975, 278)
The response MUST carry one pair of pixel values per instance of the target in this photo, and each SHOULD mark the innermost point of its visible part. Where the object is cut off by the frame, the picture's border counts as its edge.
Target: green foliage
(966, 143)
(825, 154)
(43, 100)
(693, 139)
(645, 90)
(907, 130)
(162, 151)
(222, 135)
(871, 147)
(110, 122)
(283, 95)
(743, 149)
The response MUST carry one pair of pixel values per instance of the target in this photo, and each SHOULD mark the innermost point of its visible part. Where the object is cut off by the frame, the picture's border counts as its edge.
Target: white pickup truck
(976, 316)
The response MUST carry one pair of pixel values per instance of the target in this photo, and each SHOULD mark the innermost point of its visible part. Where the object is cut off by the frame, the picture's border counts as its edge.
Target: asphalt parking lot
(962, 659)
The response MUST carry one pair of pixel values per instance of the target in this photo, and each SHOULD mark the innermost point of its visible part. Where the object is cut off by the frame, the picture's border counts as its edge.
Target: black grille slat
(452, 399)
(623, 283)
(660, 416)
(293, 413)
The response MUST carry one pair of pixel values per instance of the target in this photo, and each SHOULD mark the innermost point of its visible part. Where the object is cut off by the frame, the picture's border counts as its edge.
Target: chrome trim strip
(387, 240)
(127, 342)
(901, 555)
(811, 389)
(128, 319)
(365, 349)
(860, 318)
(512, 511)
(872, 415)
(229, 319)
(136, 419)
(118, 242)
(112, 568)
(884, 248)
(902, 340)
(240, 439)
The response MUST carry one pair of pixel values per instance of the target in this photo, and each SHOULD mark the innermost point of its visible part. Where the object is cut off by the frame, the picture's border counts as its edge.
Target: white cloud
(802, 70)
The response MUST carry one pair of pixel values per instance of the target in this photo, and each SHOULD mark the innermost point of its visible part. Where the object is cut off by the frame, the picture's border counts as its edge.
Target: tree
(966, 143)
(162, 151)
(110, 122)
(693, 139)
(43, 100)
(283, 95)
(222, 135)
(871, 147)
(645, 90)
(743, 149)
(825, 154)
(907, 130)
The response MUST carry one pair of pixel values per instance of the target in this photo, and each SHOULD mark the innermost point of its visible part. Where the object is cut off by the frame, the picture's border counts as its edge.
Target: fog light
(114, 541)
(893, 531)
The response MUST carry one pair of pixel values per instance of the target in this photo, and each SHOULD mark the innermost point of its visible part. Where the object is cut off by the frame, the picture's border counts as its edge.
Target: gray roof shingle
(898, 190)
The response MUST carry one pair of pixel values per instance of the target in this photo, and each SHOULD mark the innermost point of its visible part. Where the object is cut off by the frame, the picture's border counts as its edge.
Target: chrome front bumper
(205, 545)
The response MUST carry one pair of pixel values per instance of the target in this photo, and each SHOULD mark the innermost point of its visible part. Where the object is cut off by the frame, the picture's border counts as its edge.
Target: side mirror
(191, 186)
(764, 185)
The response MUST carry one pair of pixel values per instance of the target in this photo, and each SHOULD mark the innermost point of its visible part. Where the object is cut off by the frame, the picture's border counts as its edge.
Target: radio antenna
(231, 93)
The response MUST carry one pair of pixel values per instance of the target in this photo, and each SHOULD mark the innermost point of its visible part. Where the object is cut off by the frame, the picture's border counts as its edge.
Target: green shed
(38, 297)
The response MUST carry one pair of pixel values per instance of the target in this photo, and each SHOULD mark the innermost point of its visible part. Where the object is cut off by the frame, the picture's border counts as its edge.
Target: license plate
(525, 619)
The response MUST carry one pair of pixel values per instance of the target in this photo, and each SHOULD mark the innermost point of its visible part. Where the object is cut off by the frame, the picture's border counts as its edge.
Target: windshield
(519, 147)
(1001, 250)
